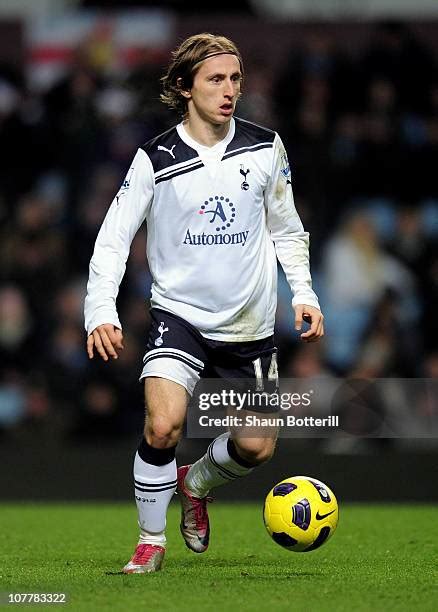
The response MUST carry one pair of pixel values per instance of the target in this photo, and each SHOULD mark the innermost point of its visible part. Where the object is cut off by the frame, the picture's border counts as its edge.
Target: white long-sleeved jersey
(217, 218)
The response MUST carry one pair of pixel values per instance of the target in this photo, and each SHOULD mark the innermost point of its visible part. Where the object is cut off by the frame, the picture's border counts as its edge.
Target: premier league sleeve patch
(125, 186)
(285, 168)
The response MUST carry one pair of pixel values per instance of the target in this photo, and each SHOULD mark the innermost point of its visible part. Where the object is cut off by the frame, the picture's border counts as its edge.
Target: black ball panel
(322, 537)
(302, 514)
(323, 493)
(283, 489)
(284, 540)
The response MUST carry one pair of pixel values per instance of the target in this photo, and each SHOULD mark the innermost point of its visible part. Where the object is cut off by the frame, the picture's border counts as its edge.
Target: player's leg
(155, 465)
(227, 458)
(255, 444)
(254, 450)
(231, 455)
(155, 469)
(172, 364)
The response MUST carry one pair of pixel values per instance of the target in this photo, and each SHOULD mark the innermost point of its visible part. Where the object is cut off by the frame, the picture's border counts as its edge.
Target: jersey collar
(221, 145)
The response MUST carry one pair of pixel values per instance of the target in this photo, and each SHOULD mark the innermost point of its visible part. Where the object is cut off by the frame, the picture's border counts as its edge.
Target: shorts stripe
(178, 352)
(173, 355)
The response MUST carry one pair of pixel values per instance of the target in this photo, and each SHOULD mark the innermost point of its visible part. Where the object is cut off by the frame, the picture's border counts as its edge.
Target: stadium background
(353, 94)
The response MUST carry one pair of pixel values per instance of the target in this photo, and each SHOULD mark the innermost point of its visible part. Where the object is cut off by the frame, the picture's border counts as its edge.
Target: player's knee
(256, 452)
(161, 432)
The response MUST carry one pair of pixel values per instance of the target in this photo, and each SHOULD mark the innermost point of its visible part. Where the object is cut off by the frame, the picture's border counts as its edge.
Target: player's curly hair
(186, 60)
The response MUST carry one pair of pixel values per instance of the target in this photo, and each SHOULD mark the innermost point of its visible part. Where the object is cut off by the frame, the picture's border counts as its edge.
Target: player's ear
(183, 90)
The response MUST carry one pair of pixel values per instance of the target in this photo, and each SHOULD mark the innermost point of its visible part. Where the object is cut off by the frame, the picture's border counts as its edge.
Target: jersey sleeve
(127, 212)
(287, 232)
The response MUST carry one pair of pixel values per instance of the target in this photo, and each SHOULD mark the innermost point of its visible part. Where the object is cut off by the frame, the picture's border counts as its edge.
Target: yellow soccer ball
(301, 513)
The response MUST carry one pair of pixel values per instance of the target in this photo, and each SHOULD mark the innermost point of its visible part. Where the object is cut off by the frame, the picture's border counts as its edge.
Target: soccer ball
(300, 513)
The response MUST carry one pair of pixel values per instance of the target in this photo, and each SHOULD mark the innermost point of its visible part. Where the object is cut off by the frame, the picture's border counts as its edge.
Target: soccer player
(215, 192)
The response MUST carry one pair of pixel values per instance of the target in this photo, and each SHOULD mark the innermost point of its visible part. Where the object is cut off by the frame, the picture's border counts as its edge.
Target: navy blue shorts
(178, 352)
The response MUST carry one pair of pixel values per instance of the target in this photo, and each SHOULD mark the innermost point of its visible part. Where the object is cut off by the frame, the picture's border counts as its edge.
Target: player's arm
(292, 244)
(107, 266)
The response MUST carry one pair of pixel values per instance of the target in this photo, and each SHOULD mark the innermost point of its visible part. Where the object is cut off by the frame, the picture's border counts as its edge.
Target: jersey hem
(235, 338)
(215, 336)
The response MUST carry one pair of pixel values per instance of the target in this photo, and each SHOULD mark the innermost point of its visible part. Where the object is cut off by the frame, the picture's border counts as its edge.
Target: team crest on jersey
(243, 172)
(221, 213)
(161, 330)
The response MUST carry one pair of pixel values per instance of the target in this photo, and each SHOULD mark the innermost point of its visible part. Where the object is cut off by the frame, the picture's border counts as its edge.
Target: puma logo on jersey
(170, 151)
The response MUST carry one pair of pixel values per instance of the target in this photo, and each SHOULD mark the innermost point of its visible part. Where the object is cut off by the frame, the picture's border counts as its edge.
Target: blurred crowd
(362, 136)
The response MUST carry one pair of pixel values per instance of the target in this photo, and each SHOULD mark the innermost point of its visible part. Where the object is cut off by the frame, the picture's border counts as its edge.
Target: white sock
(154, 487)
(215, 468)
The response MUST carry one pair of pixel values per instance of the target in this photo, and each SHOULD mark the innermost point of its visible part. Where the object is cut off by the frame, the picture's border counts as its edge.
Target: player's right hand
(108, 341)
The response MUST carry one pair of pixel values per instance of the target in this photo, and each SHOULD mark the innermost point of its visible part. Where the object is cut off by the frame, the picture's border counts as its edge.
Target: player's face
(215, 90)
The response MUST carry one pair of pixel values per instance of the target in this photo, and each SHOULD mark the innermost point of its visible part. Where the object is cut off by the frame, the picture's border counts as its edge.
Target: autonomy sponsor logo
(221, 213)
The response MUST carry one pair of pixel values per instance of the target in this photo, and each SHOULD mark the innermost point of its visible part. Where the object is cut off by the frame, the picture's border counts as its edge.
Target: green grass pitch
(380, 558)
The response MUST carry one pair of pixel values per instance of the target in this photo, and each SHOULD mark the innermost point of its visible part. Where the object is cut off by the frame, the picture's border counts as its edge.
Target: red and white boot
(147, 558)
(195, 526)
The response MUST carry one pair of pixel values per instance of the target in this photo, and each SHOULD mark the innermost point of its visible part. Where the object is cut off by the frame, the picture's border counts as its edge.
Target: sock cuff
(155, 456)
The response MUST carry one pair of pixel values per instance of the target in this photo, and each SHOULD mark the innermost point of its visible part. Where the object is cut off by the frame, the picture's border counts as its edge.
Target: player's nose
(228, 89)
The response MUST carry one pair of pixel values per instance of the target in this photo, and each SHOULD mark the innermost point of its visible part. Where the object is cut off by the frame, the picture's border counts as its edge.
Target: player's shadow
(280, 577)
(251, 568)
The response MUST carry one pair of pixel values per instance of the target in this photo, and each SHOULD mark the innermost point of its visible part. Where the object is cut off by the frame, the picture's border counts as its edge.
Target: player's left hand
(314, 317)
